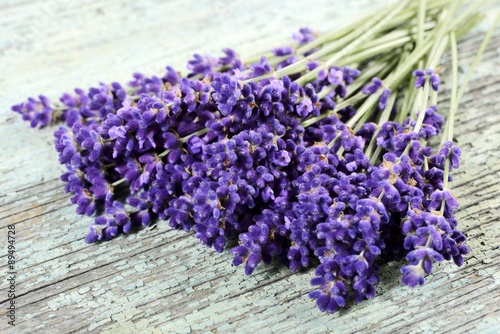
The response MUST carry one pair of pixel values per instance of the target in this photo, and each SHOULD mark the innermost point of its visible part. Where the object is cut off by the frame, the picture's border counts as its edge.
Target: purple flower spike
(104, 229)
(413, 275)
(283, 51)
(305, 108)
(447, 151)
(312, 65)
(76, 108)
(195, 145)
(373, 87)
(418, 73)
(171, 76)
(438, 197)
(37, 112)
(332, 292)
(429, 74)
(322, 75)
(335, 76)
(304, 36)
(384, 98)
(231, 59)
(261, 68)
(435, 81)
(145, 85)
(419, 78)
(226, 94)
(201, 65)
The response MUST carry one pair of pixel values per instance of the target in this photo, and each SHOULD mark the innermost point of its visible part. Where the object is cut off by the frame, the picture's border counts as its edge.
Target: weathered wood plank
(163, 279)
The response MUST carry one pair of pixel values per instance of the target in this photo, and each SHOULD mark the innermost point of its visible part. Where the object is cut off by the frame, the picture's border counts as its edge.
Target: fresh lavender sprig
(242, 149)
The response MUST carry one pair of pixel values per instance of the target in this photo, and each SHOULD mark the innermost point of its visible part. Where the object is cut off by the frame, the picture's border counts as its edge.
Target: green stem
(347, 40)
(405, 105)
(382, 75)
(327, 49)
(118, 182)
(334, 35)
(403, 113)
(364, 119)
(478, 56)
(325, 91)
(434, 98)
(424, 97)
(453, 105)
(453, 96)
(421, 22)
(362, 34)
(393, 80)
(420, 36)
(384, 117)
(445, 22)
(466, 13)
(376, 50)
(437, 51)
(399, 33)
(322, 39)
(197, 133)
(456, 96)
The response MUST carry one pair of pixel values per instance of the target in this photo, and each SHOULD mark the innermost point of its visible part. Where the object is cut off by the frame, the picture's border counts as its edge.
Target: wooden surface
(162, 280)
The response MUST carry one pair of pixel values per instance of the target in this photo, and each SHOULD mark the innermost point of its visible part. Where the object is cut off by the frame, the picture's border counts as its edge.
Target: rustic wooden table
(161, 280)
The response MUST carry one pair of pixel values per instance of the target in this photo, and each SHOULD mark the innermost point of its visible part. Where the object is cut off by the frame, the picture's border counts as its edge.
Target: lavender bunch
(301, 160)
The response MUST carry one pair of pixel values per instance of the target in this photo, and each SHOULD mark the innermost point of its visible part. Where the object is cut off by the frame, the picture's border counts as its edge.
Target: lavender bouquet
(315, 154)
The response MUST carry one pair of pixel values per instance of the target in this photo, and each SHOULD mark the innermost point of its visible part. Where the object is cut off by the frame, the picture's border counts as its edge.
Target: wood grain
(160, 280)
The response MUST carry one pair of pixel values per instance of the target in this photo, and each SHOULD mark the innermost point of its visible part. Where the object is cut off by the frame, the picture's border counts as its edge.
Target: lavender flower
(432, 75)
(201, 65)
(261, 68)
(373, 87)
(304, 36)
(37, 112)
